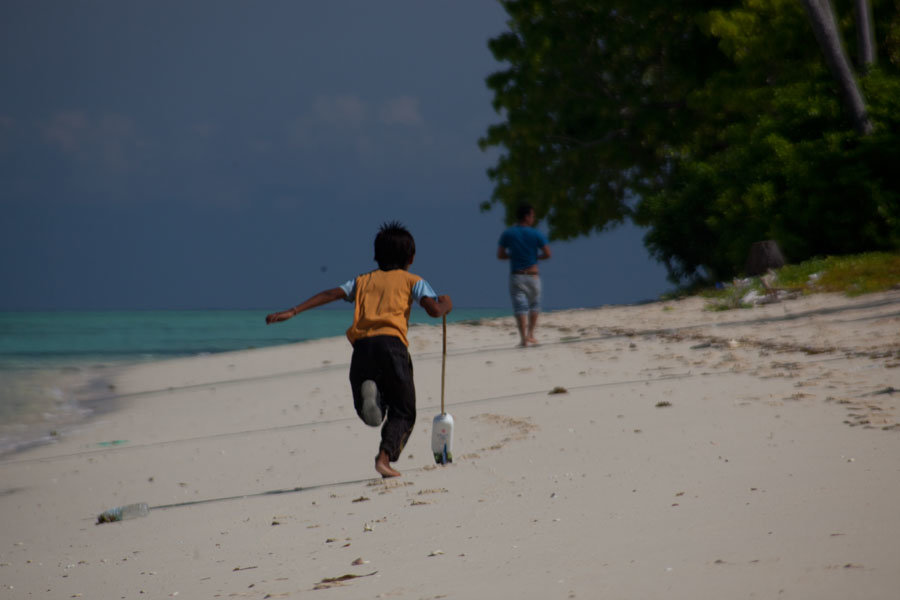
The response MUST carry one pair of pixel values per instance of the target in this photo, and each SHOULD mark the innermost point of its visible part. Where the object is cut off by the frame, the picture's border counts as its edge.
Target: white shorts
(525, 291)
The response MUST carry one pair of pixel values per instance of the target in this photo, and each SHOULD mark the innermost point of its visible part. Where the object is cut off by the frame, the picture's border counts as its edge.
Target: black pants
(385, 360)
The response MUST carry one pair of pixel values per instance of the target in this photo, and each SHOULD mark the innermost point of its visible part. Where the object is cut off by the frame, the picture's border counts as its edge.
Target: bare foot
(531, 340)
(383, 465)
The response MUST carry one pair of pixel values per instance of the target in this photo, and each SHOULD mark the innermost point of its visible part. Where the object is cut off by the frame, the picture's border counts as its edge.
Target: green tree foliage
(715, 124)
(595, 93)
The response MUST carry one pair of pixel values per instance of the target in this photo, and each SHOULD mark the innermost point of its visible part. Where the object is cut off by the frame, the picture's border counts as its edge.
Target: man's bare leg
(532, 323)
(521, 321)
(383, 465)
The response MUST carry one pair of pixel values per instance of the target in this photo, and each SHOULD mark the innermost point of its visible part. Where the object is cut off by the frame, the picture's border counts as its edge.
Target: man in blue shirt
(524, 246)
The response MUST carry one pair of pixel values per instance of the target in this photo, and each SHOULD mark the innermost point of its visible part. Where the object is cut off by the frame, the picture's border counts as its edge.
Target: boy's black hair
(394, 246)
(522, 211)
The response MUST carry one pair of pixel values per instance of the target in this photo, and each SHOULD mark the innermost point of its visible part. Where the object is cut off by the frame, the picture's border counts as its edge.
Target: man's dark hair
(523, 210)
(394, 247)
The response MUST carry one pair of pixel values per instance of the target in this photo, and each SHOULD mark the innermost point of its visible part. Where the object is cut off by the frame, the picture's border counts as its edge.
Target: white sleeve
(422, 290)
(349, 288)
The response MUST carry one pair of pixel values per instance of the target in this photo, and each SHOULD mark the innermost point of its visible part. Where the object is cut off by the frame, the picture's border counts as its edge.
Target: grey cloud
(108, 140)
(403, 110)
(204, 129)
(345, 110)
(327, 122)
(67, 130)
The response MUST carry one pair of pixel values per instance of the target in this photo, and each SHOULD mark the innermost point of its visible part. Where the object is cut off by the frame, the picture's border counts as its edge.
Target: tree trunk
(763, 256)
(821, 18)
(865, 35)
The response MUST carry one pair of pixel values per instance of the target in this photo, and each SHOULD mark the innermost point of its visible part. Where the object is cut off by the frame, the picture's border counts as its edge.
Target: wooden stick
(444, 365)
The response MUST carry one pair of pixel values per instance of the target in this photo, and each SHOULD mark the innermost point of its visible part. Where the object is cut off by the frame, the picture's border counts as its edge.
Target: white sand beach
(653, 451)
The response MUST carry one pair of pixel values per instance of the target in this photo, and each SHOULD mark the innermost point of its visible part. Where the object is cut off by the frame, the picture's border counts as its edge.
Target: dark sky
(234, 154)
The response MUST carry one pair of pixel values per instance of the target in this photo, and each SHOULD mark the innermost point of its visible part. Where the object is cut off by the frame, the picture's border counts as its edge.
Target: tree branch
(865, 36)
(821, 18)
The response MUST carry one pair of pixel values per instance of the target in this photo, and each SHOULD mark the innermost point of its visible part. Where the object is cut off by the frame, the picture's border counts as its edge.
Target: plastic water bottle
(442, 438)
(123, 513)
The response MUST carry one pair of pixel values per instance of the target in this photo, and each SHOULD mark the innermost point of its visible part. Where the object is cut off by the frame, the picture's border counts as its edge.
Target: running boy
(381, 371)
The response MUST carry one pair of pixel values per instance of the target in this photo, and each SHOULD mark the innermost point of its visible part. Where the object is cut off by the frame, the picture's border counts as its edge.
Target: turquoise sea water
(43, 354)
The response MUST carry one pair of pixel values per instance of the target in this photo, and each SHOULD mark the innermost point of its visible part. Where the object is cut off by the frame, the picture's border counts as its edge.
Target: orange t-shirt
(382, 304)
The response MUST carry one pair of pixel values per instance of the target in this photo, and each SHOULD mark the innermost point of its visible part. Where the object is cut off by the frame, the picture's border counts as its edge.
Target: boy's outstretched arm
(319, 299)
(437, 307)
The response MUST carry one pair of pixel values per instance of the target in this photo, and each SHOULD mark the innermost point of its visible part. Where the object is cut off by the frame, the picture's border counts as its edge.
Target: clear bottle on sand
(442, 438)
(123, 513)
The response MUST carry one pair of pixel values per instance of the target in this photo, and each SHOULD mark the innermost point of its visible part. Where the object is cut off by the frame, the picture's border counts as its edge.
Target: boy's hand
(279, 316)
(446, 303)
(323, 297)
(436, 307)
